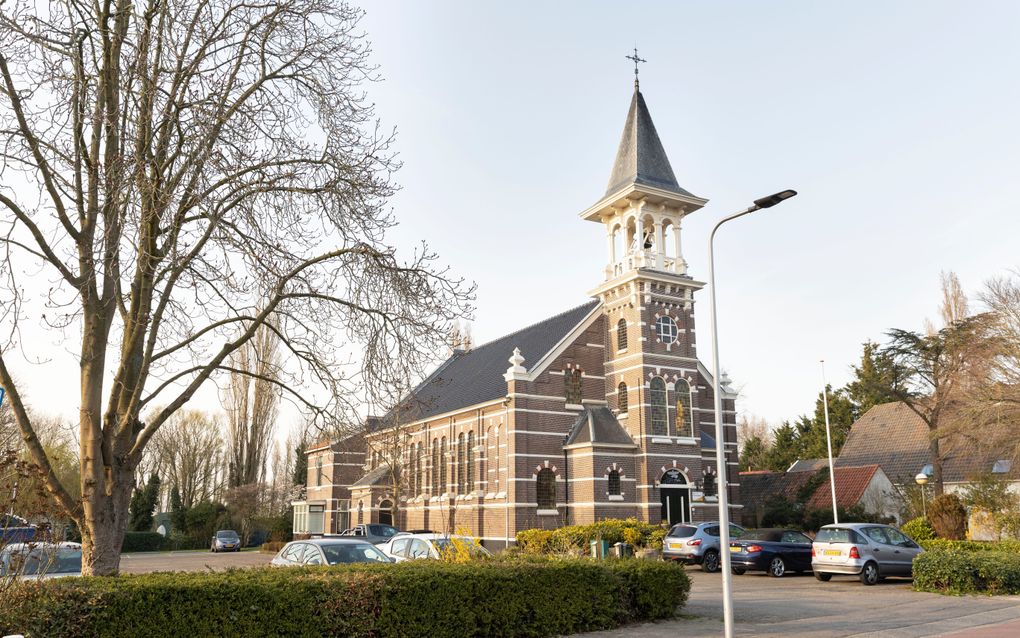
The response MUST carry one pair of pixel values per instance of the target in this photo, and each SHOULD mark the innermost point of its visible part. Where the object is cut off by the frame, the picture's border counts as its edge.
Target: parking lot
(145, 562)
(763, 606)
(802, 606)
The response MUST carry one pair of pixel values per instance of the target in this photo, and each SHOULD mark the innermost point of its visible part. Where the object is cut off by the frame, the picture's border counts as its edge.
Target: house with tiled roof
(601, 411)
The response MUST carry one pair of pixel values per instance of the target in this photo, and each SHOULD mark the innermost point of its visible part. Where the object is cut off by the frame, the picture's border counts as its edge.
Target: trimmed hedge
(578, 537)
(142, 542)
(415, 598)
(967, 572)
(944, 544)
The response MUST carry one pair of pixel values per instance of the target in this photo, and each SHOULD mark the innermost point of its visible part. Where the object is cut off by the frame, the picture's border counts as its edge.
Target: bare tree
(188, 453)
(187, 172)
(251, 401)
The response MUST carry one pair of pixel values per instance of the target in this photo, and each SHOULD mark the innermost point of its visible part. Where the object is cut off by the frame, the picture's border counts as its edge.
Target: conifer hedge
(419, 598)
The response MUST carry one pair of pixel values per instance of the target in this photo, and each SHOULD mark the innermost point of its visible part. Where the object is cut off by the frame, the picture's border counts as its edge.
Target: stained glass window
(657, 392)
(684, 413)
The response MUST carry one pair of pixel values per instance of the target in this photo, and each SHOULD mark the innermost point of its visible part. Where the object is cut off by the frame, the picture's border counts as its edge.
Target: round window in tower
(666, 330)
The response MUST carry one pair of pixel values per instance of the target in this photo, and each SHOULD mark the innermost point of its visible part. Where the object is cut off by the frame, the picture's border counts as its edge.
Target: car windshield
(383, 530)
(682, 531)
(834, 535)
(353, 553)
(227, 535)
(46, 560)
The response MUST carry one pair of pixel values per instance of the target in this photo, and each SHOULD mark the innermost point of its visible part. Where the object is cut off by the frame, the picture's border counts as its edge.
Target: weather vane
(636, 60)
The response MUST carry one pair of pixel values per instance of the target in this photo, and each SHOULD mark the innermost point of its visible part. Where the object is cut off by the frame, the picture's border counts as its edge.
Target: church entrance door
(386, 513)
(675, 497)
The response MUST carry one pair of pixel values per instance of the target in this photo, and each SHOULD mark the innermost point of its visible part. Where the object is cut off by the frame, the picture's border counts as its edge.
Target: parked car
(225, 540)
(416, 546)
(696, 544)
(372, 532)
(868, 550)
(774, 551)
(328, 551)
(14, 529)
(41, 561)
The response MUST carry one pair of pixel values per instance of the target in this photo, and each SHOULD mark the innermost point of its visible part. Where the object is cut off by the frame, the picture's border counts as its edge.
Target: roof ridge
(529, 327)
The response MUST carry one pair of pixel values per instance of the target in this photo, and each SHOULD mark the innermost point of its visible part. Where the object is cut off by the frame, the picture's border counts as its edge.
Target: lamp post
(828, 442)
(720, 439)
(922, 480)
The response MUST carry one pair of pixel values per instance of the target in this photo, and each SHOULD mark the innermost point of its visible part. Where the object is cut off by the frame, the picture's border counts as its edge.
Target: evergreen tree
(754, 454)
(300, 463)
(842, 414)
(874, 380)
(143, 505)
(177, 511)
(786, 448)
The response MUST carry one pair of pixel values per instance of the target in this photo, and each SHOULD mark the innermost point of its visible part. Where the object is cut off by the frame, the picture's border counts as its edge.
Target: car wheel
(869, 575)
(710, 563)
(777, 567)
(739, 571)
(823, 577)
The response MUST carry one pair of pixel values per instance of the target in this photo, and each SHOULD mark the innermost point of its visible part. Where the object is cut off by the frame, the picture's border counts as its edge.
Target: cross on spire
(636, 60)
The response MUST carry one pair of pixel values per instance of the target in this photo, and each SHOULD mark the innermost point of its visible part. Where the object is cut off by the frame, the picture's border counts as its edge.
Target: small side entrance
(675, 497)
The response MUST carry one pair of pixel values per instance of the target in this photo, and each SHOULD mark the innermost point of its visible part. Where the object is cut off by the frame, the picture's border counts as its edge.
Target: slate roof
(892, 436)
(598, 425)
(640, 158)
(808, 465)
(378, 476)
(476, 376)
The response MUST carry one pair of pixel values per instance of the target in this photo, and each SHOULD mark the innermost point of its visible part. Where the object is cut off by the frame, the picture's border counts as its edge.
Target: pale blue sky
(896, 122)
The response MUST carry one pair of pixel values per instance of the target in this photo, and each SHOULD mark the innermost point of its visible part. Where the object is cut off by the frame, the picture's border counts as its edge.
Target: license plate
(675, 545)
(736, 549)
(833, 552)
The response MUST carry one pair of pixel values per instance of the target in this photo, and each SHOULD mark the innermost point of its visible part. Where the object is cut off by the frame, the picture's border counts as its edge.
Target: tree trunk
(936, 464)
(103, 526)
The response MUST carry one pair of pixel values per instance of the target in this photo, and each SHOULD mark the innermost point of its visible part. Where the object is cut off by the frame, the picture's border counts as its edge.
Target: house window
(621, 397)
(711, 486)
(435, 466)
(470, 462)
(572, 385)
(684, 413)
(621, 334)
(666, 330)
(319, 474)
(614, 483)
(657, 396)
(545, 484)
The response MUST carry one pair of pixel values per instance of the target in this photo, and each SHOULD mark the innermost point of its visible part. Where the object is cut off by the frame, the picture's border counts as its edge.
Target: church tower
(655, 384)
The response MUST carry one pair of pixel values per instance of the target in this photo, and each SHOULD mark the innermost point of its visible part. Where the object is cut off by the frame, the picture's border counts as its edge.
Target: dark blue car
(14, 529)
(774, 551)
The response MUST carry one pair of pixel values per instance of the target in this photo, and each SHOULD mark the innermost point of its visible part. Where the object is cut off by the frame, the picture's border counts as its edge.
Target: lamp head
(921, 478)
(772, 200)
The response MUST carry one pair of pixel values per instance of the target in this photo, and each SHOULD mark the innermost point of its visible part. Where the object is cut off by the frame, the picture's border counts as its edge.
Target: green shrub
(943, 544)
(967, 572)
(576, 538)
(142, 542)
(527, 596)
(919, 529)
(948, 517)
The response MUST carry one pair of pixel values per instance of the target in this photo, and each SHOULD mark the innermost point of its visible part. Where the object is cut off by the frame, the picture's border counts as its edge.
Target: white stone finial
(516, 371)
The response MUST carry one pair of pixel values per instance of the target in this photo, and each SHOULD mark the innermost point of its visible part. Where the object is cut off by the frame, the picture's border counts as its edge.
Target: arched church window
(614, 483)
(621, 334)
(545, 485)
(435, 466)
(461, 464)
(657, 397)
(666, 329)
(711, 485)
(621, 397)
(444, 462)
(470, 471)
(684, 413)
(572, 385)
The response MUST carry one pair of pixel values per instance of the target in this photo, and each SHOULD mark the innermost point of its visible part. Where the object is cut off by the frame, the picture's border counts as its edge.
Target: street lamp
(828, 443)
(720, 439)
(922, 480)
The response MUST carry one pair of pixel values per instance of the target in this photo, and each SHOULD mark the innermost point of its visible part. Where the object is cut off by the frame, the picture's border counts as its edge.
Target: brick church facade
(602, 411)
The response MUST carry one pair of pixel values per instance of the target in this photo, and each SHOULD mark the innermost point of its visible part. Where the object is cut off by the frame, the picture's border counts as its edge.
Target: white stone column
(679, 265)
(660, 249)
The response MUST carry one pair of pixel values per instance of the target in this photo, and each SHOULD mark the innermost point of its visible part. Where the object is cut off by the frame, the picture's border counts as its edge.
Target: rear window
(764, 535)
(682, 531)
(838, 535)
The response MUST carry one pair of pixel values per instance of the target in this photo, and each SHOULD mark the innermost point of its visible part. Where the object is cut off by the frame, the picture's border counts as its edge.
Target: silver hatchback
(868, 550)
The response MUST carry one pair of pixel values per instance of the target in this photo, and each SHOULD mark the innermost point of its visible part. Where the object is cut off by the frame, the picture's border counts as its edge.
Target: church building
(601, 411)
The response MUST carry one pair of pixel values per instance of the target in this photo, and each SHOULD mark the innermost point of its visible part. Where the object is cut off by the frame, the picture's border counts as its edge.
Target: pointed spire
(640, 158)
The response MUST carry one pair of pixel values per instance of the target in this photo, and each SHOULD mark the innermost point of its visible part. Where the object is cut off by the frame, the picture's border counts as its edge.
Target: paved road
(801, 606)
(144, 562)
